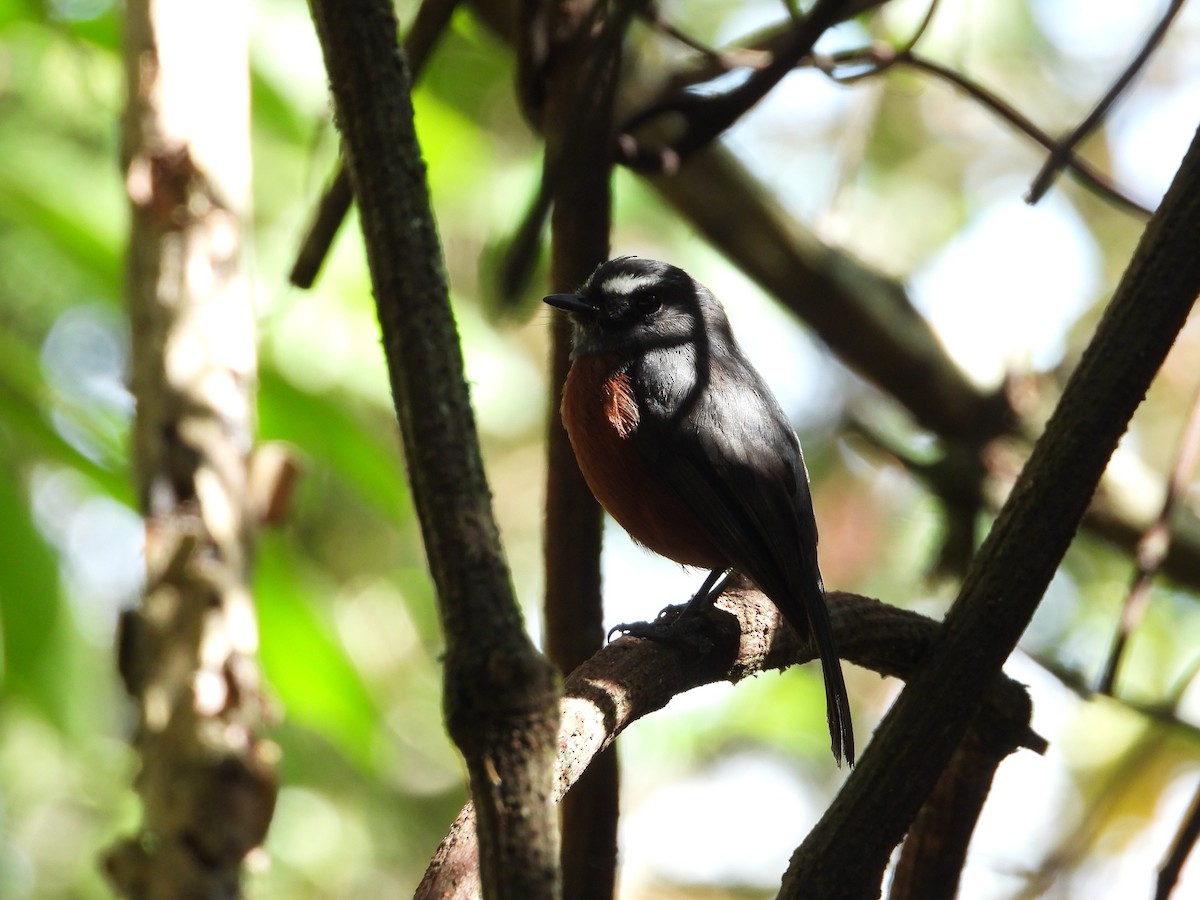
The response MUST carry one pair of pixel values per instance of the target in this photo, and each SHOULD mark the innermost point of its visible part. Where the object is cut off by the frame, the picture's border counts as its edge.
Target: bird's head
(630, 305)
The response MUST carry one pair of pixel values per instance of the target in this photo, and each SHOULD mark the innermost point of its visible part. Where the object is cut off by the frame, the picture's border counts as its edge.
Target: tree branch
(500, 696)
(1010, 573)
(1154, 544)
(707, 116)
(1181, 848)
(1085, 173)
(1064, 148)
(740, 636)
(963, 479)
(934, 853)
(573, 88)
(433, 17)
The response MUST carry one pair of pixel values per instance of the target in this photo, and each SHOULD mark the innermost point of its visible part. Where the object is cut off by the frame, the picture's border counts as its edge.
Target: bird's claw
(661, 629)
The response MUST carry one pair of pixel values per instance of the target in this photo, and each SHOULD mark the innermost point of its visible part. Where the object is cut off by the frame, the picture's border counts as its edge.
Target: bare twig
(327, 218)
(1181, 848)
(1063, 149)
(1013, 567)
(1154, 545)
(433, 17)
(960, 478)
(500, 697)
(880, 58)
(1160, 717)
(720, 61)
(1163, 712)
(706, 116)
(867, 62)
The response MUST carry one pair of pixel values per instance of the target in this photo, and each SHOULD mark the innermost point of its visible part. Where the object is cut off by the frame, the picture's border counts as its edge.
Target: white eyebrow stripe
(625, 284)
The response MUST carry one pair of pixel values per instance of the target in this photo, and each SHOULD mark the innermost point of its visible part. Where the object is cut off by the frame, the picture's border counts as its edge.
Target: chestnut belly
(601, 415)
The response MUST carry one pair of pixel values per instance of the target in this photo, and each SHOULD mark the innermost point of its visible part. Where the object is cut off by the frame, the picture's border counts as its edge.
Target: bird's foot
(663, 628)
(670, 623)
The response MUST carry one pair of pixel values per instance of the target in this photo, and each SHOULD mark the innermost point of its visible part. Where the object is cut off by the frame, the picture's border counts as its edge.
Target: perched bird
(681, 440)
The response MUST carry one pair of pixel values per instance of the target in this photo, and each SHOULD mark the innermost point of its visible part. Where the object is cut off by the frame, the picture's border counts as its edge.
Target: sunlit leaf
(322, 426)
(307, 667)
(32, 611)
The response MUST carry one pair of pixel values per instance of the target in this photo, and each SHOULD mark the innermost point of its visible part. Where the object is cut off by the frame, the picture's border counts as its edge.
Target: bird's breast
(601, 414)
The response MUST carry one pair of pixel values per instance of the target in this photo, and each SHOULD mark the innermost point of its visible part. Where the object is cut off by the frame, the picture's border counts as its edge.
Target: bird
(682, 442)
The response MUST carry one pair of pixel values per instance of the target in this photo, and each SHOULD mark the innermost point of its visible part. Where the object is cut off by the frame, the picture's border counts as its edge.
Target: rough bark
(739, 637)
(187, 653)
(1009, 575)
(500, 695)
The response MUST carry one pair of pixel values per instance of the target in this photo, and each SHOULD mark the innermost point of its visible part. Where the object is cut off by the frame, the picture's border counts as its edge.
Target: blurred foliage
(904, 172)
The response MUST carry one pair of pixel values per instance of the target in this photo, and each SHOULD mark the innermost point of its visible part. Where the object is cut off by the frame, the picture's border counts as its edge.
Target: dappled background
(902, 171)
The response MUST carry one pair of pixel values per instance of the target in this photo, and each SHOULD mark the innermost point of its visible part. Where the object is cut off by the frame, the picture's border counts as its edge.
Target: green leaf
(32, 614)
(305, 663)
(366, 458)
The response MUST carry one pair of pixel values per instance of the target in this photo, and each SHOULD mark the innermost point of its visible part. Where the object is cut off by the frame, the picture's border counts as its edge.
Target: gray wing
(729, 455)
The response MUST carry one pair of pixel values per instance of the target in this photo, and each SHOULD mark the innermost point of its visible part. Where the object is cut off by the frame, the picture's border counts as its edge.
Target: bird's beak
(571, 303)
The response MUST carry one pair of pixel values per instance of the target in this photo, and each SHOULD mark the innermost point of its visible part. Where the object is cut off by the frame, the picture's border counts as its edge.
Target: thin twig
(432, 19)
(1164, 712)
(1153, 547)
(721, 60)
(707, 116)
(883, 57)
(1181, 848)
(1063, 150)
(765, 48)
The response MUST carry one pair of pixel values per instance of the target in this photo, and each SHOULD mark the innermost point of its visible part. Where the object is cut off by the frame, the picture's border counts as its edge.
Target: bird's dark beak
(571, 303)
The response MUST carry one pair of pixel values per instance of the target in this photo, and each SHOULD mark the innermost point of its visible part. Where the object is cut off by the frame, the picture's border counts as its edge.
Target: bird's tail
(837, 702)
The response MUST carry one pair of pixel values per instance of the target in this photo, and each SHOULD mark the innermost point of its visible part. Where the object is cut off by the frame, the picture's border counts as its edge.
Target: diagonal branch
(1084, 172)
(1015, 563)
(707, 116)
(1181, 848)
(433, 17)
(866, 318)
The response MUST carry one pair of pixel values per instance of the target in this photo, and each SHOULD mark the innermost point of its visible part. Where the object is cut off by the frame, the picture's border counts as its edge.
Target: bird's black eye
(645, 303)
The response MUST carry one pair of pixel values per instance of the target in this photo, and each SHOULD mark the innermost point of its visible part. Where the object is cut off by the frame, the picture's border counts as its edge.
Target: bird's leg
(713, 587)
(666, 623)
